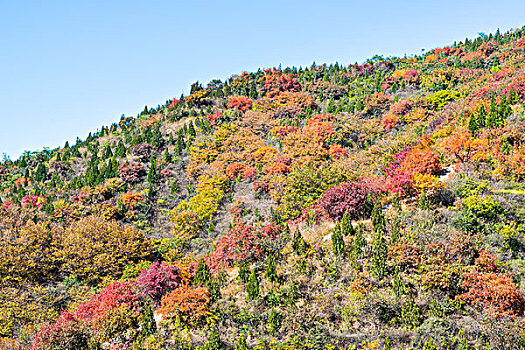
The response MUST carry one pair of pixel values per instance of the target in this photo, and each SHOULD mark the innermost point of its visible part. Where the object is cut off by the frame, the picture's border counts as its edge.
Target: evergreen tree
(513, 97)
(152, 172)
(191, 130)
(252, 287)
(271, 268)
(379, 255)
(214, 341)
(395, 230)
(202, 274)
(167, 156)
(397, 284)
(359, 241)
(148, 325)
(121, 150)
(378, 218)
(174, 188)
(338, 243)
(244, 271)
(493, 116)
(346, 225)
(241, 343)
(299, 245)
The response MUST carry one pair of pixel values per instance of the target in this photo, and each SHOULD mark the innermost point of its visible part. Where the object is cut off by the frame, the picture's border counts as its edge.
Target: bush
(157, 280)
(349, 197)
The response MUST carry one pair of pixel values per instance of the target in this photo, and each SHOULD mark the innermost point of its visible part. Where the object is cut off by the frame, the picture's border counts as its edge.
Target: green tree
(202, 274)
(271, 268)
(252, 287)
(338, 243)
(152, 172)
(379, 255)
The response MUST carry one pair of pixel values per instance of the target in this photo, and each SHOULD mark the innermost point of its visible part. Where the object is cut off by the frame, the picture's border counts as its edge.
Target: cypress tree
(377, 218)
(252, 287)
(338, 243)
(346, 225)
(397, 284)
(148, 325)
(152, 172)
(167, 156)
(202, 274)
(271, 268)
(493, 116)
(191, 130)
(359, 241)
(241, 343)
(379, 255)
(244, 272)
(299, 245)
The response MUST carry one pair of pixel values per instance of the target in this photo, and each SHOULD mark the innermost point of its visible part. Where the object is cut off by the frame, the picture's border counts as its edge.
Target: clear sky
(69, 67)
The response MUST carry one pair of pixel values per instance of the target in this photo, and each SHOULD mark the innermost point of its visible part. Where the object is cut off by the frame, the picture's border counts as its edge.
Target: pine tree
(379, 255)
(346, 225)
(148, 325)
(214, 341)
(252, 287)
(481, 118)
(492, 118)
(395, 87)
(244, 271)
(191, 130)
(388, 344)
(513, 97)
(378, 218)
(397, 284)
(152, 173)
(299, 245)
(395, 230)
(338, 243)
(359, 242)
(202, 274)
(174, 188)
(167, 156)
(271, 268)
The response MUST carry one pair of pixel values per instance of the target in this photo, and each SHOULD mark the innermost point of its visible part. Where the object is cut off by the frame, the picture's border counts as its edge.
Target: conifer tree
(167, 156)
(191, 130)
(397, 284)
(244, 271)
(379, 255)
(271, 268)
(252, 287)
(346, 225)
(241, 343)
(152, 172)
(359, 242)
(299, 245)
(338, 243)
(148, 325)
(202, 274)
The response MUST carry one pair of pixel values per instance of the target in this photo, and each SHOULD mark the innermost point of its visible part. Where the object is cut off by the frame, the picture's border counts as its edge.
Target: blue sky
(69, 67)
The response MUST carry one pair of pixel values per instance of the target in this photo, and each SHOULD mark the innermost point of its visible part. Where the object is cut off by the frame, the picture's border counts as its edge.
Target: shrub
(187, 303)
(350, 197)
(131, 172)
(495, 292)
(157, 280)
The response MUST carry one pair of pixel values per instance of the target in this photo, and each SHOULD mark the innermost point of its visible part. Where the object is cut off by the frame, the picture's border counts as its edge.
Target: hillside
(370, 206)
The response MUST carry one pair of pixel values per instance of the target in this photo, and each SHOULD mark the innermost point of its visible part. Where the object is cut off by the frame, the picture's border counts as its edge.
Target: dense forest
(369, 206)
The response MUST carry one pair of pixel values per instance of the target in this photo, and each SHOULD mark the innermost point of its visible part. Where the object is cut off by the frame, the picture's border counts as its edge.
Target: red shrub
(157, 280)
(131, 172)
(495, 292)
(243, 241)
(142, 150)
(422, 161)
(239, 102)
(348, 197)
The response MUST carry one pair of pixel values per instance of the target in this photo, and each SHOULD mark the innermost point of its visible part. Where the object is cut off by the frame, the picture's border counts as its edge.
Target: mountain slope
(369, 206)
